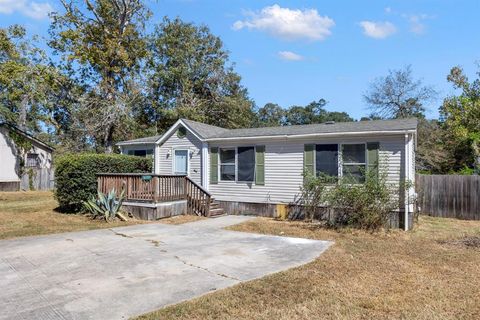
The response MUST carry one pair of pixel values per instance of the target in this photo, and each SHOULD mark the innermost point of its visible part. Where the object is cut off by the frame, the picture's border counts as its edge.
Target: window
(32, 160)
(326, 161)
(141, 153)
(354, 162)
(246, 163)
(227, 164)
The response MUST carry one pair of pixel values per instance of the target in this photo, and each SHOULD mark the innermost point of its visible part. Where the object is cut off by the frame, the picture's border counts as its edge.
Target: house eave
(314, 135)
(121, 144)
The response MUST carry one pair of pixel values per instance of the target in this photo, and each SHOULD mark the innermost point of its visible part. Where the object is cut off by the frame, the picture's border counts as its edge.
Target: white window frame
(174, 171)
(342, 163)
(220, 163)
(236, 163)
(340, 157)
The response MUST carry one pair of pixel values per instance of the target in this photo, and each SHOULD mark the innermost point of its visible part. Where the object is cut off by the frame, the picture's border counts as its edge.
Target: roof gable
(24, 134)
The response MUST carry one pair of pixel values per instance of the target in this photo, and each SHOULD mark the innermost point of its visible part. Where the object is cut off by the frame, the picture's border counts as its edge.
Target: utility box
(282, 211)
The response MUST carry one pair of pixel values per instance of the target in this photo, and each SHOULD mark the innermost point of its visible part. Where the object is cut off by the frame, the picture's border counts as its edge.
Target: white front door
(180, 162)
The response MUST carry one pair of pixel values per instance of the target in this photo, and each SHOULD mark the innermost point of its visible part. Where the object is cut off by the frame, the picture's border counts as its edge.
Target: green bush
(76, 180)
(367, 205)
(342, 203)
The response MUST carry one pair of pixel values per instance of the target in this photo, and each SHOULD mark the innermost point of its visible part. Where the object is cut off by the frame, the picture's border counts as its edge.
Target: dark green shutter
(308, 158)
(214, 165)
(372, 155)
(260, 165)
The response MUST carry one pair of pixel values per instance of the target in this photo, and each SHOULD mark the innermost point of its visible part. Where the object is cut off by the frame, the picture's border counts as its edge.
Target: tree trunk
(476, 155)
(22, 121)
(108, 139)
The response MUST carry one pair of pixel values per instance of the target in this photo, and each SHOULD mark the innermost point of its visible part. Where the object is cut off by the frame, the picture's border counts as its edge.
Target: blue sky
(294, 52)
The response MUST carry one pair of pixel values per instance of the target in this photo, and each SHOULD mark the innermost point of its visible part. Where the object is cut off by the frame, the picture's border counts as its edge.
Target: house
(253, 170)
(24, 170)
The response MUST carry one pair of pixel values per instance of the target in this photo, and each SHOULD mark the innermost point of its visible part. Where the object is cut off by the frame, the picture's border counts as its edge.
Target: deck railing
(146, 187)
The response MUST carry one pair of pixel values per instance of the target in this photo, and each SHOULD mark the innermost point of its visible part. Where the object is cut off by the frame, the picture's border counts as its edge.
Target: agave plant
(105, 206)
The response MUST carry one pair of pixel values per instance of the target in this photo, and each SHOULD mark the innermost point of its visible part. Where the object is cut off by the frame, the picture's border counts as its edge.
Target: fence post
(156, 189)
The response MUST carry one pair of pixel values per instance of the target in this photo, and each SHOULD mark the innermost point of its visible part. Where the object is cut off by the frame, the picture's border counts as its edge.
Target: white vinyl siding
(166, 155)
(284, 168)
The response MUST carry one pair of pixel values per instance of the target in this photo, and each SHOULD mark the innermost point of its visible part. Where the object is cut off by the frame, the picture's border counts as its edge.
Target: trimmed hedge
(76, 180)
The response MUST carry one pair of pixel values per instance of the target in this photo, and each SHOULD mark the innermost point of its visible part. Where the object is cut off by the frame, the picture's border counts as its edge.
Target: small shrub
(105, 206)
(367, 205)
(76, 180)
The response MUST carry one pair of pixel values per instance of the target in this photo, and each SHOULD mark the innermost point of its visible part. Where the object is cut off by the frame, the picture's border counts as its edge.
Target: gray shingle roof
(146, 140)
(339, 127)
(206, 131)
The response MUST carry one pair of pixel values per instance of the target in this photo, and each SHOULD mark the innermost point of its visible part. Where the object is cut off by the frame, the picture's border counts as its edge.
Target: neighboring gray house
(253, 170)
(17, 171)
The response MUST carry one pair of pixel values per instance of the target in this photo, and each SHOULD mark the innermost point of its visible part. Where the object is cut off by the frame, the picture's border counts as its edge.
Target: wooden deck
(153, 188)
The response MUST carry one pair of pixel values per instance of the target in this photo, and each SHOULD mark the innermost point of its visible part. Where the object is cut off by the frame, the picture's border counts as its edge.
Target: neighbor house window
(326, 161)
(141, 153)
(227, 164)
(246, 163)
(32, 160)
(354, 162)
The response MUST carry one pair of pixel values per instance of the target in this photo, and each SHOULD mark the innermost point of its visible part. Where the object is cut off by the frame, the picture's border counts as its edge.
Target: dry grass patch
(33, 213)
(385, 275)
(186, 218)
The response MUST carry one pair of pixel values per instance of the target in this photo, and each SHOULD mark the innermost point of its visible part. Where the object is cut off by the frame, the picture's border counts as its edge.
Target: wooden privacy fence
(449, 196)
(145, 187)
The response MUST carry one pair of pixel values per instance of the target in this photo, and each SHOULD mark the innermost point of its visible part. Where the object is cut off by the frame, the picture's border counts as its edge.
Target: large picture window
(246, 163)
(227, 165)
(326, 161)
(354, 162)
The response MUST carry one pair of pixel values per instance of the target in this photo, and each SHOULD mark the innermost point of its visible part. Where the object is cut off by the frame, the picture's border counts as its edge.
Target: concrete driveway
(122, 272)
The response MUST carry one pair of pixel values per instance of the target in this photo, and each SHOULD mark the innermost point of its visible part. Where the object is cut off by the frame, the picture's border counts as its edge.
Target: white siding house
(15, 168)
(265, 165)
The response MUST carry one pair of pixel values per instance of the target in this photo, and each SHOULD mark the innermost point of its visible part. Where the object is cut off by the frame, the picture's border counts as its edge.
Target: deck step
(216, 212)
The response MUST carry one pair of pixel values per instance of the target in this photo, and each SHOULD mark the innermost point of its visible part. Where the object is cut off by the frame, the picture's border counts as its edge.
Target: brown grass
(33, 213)
(385, 275)
(181, 219)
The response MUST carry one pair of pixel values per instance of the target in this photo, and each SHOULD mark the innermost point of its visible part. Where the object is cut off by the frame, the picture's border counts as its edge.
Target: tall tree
(434, 152)
(22, 80)
(461, 114)
(314, 112)
(102, 43)
(33, 94)
(191, 77)
(398, 95)
(270, 115)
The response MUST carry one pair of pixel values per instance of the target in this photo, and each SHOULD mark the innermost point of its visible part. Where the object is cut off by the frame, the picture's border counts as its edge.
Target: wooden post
(156, 189)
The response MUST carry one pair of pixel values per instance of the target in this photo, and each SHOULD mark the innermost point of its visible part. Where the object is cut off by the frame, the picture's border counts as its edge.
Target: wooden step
(217, 212)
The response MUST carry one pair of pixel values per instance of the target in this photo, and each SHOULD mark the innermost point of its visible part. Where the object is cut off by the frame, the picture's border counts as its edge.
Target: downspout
(205, 161)
(407, 175)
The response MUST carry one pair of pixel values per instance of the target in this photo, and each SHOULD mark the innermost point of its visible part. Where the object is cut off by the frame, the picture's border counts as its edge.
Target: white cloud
(378, 30)
(388, 10)
(289, 24)
(32, 9)
(290, 56)
(416, 22)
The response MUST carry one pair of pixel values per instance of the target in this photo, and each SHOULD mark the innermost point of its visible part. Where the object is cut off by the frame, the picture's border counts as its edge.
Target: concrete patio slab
(122, 272)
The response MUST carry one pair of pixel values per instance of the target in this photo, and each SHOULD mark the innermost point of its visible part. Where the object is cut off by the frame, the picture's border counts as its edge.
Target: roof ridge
(202, 123)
